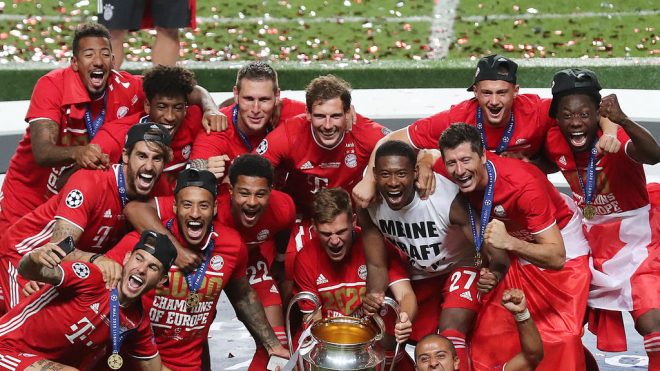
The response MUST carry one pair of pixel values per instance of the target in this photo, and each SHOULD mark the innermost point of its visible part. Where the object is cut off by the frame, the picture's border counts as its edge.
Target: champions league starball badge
(115, 361)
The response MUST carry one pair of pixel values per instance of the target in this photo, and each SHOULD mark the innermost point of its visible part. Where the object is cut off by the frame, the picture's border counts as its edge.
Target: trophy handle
(397, 309)
(303, 295)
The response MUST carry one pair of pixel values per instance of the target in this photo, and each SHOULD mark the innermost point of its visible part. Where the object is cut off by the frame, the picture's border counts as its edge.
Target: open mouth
(495, 111)
(335, 250)
(464, 181)
(145, 180)
(96, 78)
(135, 282)
(394, 196)
(578, 139)
(255, 120)
(250, 215)
(195, 229)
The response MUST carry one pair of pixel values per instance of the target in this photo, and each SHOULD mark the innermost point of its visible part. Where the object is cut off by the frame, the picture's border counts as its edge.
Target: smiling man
(89, 209)
(622, 224)
(256, 111)
(167, 90)
(68, 326)
(182, 315)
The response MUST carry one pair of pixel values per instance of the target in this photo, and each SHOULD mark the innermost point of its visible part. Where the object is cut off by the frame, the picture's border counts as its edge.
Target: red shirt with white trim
(620, 180)
(181, 332)
(112, 136)
(311, 167)
(89, 201)
(61, 96)
(531, 123)
(340, 287)
(69, 323)
(229, 142)
(524, 199)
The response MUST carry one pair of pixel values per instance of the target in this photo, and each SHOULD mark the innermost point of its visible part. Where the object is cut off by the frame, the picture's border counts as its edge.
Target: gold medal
(477, 260)
(192, 300)
(589, 212)
(115, 361)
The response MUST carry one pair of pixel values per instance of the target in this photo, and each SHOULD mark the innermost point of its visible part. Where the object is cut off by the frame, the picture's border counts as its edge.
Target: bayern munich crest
(81, 270)
(185, 152)
(362, 272)
(263, 234)
(122, 111)
(350, 160)
(74, 199)
(217, 262)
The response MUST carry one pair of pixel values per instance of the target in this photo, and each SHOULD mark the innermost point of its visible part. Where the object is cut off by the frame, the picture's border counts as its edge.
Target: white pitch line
(477, 18)
(442, 28)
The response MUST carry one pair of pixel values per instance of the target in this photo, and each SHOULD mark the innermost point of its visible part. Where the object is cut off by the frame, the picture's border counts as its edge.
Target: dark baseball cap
(158, 245)
(197, 178)
(573, 81)
(147, 131)
(495, 67)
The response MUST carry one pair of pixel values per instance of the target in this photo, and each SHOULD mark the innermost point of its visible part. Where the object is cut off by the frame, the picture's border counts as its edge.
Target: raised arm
(42, 265)
(376, 256)
(643, 147)
(547, 250)
(531, 346)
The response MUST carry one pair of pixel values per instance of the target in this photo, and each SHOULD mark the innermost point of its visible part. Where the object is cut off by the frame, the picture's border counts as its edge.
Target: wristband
(94, 257)
(280, 258)
(523, 316)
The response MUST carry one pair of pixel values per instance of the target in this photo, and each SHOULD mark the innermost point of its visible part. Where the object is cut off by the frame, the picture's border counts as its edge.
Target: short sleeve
(165, 207)
(535, 205)
(111, 138)
(123, 247)
(81, 277)
(275, 146)
(242, 254)
(396, 270)
(80, 198)
(425, 133)
(45, 102)
(304, 279)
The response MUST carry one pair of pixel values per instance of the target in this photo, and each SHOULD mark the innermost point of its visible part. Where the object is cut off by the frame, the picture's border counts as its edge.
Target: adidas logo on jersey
(274, 290)
(95, 307)
(107, 214)
(466, 295)
(306, 166)
(562, 160)
(321, 280)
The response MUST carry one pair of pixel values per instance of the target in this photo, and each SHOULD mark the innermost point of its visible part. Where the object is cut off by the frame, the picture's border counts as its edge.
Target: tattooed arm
(45, 134)
(249, 310)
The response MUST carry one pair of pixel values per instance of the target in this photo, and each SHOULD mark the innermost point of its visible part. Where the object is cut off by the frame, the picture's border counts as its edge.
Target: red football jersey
(181, 332)
(229, 142)
(70, 323)
(111, 138)
(60, 96)
(312, 167)
(89, 200)
(524, 199)
(339, 287)
(620, 180)
(531, 122)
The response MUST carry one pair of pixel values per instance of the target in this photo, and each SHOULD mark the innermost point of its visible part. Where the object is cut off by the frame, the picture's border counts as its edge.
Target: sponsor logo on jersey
(330, 165)
(466, 295)
(95, 307)
(263, 234)
(321, 279)
(350, 160)
(186, 151)
(81, 270)
(217, 262)
(107, 214)
(362, 272)
(262, 147)
(562, 160)
(122, 111)
(499, 211)
(306, 166)
(74, 199)
(274, 289)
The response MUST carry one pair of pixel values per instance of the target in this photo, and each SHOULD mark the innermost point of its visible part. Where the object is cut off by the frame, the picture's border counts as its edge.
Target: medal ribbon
(195, 278)
(121, 186)
(506, 137)
(241, 134)
(115, 335)
(590, 187)
(486, 207)
(94, 125)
